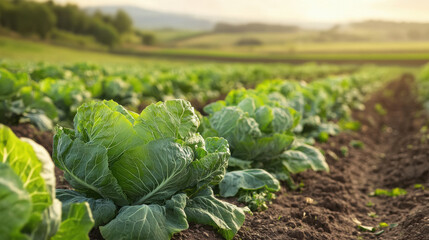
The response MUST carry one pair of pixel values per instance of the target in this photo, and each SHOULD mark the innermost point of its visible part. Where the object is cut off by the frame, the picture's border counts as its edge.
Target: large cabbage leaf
(21, 157)
(76, 222)
(103, 210)
(15, 203)
(249, 179)
(148, 221)
(27, 182)
(85, 167)
(204, 208)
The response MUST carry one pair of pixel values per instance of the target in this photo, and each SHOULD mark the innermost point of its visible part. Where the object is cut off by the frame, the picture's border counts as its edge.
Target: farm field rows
(408, 53)
(47, 93)
(229, 151)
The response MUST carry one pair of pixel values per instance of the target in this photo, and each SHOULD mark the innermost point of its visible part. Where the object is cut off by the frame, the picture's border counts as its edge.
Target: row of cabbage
(45, 94)
(148, 175)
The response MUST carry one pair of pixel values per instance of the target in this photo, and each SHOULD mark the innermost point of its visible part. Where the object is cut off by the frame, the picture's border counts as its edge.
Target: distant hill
(149, 19)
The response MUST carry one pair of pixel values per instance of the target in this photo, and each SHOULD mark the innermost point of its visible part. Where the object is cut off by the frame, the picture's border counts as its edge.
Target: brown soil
(396, 154)
(29, 131)
(43, 138)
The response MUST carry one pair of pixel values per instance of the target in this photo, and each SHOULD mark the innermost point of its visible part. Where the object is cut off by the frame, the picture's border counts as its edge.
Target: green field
(334, 57)
(297, 46)
(27, 51)
(286, 43)
(24, 50)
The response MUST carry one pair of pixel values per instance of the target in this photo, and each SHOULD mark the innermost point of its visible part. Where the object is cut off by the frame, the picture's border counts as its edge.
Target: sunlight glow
(282, 11)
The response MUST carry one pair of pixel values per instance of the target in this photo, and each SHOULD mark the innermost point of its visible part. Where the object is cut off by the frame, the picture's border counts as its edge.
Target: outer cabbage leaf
(317, 160)
(15, 203)
(51, 220)
(21, 158)
(46, 105)
(85, 167)
(76, 222)
(304, 157)
(153, 221)
(103, 210)
(206, 209)
(249, 179)
(51, 217)
(48, 167)
(214, 107)
(28, 164)
(40, 120)
(236, 163)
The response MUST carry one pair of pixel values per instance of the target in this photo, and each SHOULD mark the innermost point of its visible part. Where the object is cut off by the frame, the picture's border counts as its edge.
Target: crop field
(290, 47)
(167, 150)
(211, 120)
(281, 42)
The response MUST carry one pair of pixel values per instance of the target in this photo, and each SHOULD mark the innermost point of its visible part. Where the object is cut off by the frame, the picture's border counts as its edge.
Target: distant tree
(6, 11)
(36, 17)
(122, 22)
(104, 33)
(103, 17)
(68, 17)
(148, 39)
(31, 17)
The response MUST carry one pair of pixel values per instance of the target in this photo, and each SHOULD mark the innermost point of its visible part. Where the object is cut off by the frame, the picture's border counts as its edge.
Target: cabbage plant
(22, 101)
(28, 206)
(260, 133)
(145, 176)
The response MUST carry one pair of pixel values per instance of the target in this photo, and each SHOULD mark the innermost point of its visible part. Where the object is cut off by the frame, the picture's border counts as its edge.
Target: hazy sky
(329, 11)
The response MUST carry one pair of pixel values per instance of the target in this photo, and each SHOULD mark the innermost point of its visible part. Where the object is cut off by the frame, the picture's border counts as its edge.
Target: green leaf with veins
(206, 209)
(76, 222)
(249, 179)
(15, 203)
(148, 221)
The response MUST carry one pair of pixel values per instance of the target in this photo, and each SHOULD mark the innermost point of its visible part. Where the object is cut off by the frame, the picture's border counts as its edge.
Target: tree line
(41, 18)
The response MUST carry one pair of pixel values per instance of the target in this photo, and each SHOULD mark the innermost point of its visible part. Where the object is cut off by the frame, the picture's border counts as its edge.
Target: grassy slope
(22, 50)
